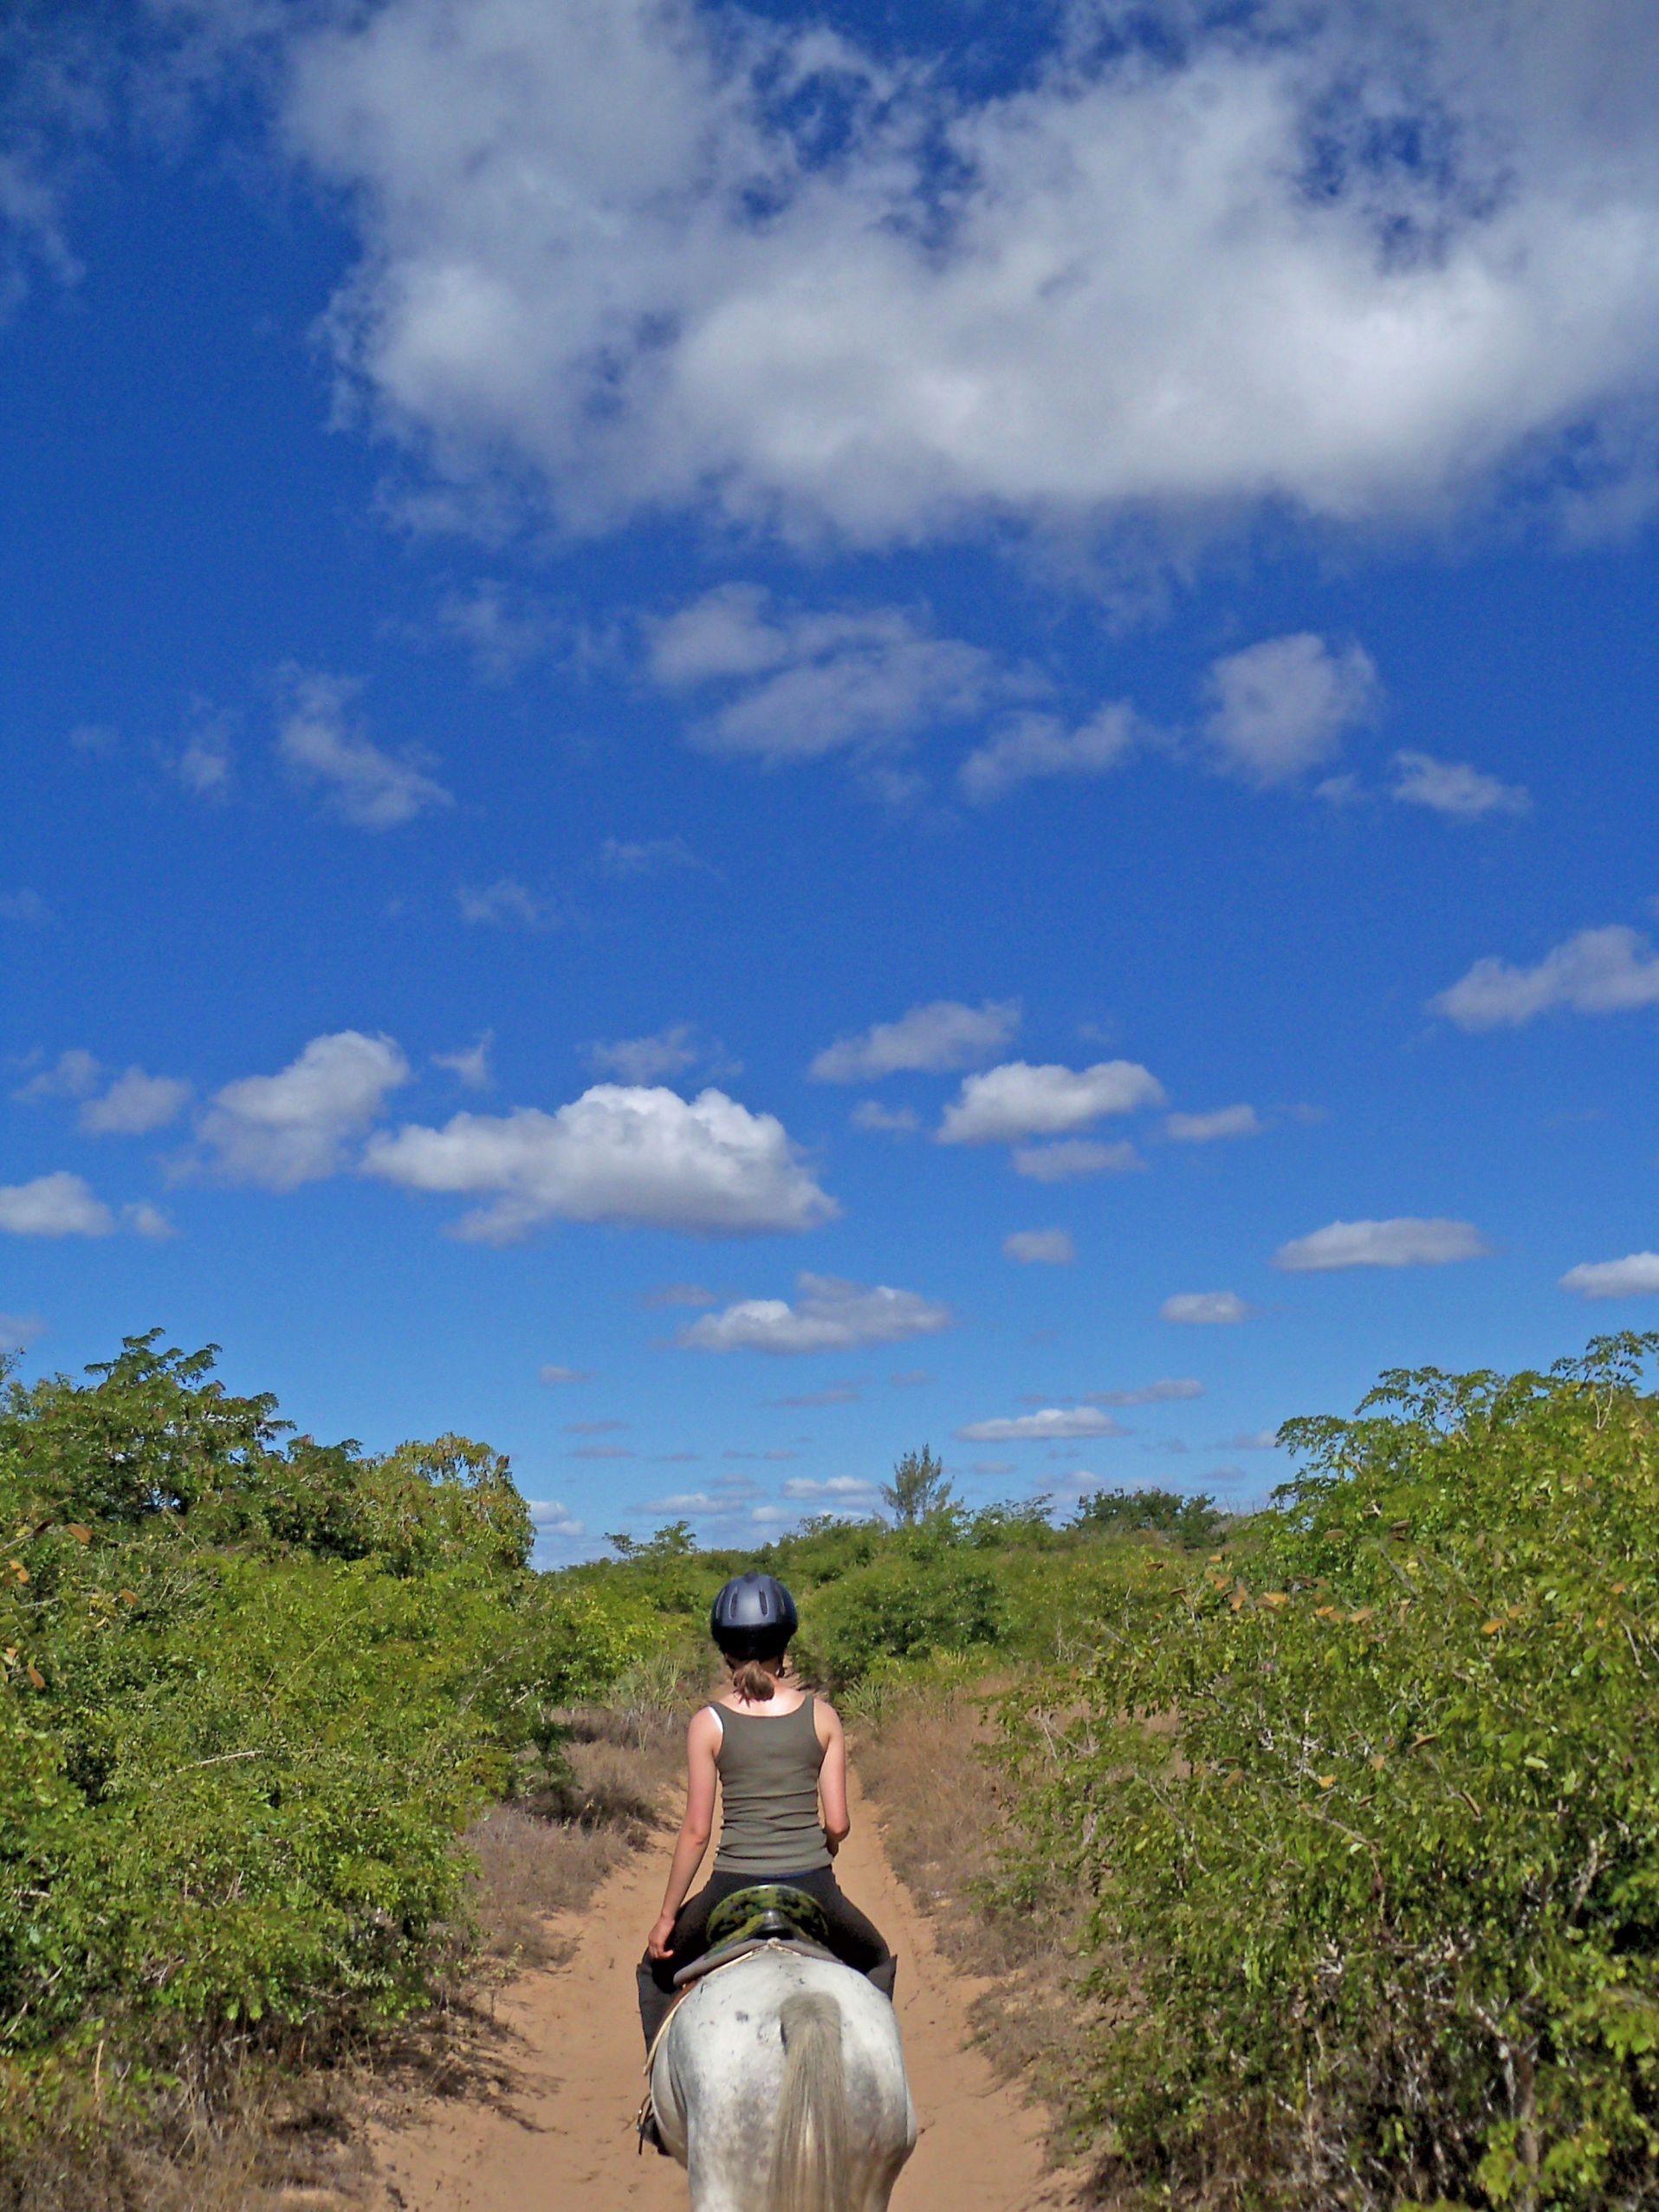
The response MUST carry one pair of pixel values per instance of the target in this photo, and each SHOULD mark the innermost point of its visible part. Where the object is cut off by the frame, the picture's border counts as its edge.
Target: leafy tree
(1024, 1521)
(918, 1488)
(1194, 1521)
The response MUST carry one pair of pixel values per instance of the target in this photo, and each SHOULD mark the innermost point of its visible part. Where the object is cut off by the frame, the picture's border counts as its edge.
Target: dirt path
(562, 2137)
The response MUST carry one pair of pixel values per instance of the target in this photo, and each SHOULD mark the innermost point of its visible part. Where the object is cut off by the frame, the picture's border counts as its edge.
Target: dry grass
(944, 1821)
(547, 1854)
(280, 2146)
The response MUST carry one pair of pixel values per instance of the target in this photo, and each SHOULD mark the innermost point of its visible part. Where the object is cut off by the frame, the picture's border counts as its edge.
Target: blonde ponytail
(755, 1681)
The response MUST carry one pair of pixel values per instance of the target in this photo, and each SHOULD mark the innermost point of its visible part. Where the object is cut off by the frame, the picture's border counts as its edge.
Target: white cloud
(55, 76)
(845, 1490)
(799, 685)
(26, 907)
(1599, 971)
(1204, 1308)
(1635, 1277)
(933, 1039)
(647, 1059)
(553, 1375)
(1251, 1440)
(1453, 788)
(1038, 745)
(470, 1068)
(19, 1331)
(1206, 1128)
(625, 860)
(891, 1121)
(205, 762)
(618, 1153)
(828, 1315)
(699, 1503)
(134, 1104)
(1174, 1389)
(831, 1394)
(506, 905)
(549, 1518)
(362, 785)
(730, 634)
(53, 1205)
(148, 1220)
(1018, 1100)
(1073, 1156)
(1040, 1247)
(296, 1127)
(1280, 707)
(1405, 1242)
(1052, 1424)
(501, 630)
(603, 248)
(72, 1074)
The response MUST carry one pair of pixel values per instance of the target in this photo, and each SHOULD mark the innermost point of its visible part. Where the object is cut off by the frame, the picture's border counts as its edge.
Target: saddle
(770, 1915)
(769, 1912)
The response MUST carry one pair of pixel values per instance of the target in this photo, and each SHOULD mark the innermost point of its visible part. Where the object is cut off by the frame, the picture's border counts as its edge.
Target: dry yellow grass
(945, 1824)
(280, 2146)
(546, 1855)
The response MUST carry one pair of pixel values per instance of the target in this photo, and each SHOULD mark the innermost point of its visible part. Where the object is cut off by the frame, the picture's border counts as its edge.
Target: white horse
(779, 2085)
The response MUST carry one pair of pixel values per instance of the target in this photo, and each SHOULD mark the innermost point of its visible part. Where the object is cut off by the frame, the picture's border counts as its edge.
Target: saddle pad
(712, 1961)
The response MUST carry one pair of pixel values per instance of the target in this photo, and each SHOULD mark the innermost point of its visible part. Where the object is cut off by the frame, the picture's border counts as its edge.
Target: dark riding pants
(854, 1938)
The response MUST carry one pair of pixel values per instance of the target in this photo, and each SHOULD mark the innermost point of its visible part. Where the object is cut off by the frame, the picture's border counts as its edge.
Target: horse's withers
(780, 2085)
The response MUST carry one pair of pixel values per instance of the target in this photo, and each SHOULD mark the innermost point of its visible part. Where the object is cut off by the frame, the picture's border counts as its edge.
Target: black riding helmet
(754, 1616)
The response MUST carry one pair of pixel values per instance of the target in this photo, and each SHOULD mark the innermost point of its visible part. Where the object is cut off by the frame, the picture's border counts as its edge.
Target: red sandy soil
(561, 2133)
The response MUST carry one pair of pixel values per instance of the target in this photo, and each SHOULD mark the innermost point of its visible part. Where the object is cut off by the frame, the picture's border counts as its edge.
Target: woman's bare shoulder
(825, 1714)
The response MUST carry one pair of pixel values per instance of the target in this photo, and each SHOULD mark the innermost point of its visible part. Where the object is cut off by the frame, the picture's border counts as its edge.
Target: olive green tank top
(768, 1782)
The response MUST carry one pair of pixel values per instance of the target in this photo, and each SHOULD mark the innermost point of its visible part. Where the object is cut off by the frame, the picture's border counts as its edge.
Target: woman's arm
(831, 1775)
(702, 1745)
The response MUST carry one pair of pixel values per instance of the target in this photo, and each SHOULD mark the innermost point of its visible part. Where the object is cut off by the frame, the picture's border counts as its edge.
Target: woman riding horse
(779, 1756)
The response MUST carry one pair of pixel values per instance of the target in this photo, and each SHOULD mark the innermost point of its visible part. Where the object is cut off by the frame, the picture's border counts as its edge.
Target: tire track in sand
(562, 2135)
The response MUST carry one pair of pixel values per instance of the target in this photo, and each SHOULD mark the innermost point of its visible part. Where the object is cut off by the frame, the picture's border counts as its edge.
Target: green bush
(1193, 1521)
(905, 1604)
(1373, 1836)
(251, 1692)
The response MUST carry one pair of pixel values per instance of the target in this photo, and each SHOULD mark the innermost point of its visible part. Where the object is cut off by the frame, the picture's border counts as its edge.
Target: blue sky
(734, 738)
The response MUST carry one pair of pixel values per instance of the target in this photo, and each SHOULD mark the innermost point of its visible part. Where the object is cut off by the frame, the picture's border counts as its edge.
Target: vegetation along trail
(561, 2135)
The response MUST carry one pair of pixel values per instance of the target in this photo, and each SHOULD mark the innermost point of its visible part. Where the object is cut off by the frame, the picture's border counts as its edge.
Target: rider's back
(770, 1821)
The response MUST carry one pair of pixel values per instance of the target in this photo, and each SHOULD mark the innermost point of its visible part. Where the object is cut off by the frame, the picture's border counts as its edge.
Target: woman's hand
(661, 1938)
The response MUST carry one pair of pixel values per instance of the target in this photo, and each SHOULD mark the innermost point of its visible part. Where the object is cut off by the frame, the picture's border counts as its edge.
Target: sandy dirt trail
(563, 2134)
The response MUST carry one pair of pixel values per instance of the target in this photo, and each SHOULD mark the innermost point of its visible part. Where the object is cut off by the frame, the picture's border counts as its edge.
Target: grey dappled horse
(779, 2084)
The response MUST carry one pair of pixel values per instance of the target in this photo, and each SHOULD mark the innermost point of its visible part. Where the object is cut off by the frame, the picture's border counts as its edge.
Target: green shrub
(904, 1605)
(251, 1692)
(1374, 1836)
(1193, 1521)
